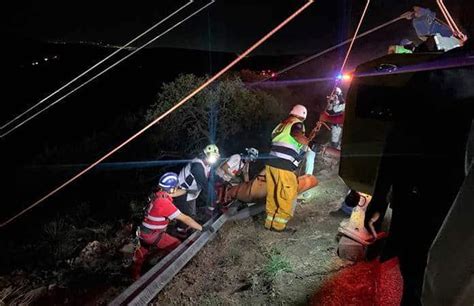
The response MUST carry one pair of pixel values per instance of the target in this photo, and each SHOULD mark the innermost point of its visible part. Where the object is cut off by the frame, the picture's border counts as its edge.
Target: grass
(276, 264)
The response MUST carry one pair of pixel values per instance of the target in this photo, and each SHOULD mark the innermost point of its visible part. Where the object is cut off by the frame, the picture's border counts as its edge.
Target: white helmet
(299, 111)
(338, 91)
(252, 153)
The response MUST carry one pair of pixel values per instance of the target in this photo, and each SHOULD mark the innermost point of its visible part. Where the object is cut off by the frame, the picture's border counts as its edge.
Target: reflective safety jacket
(235, 164)
(191, 181)
(160, 211)
(284, 145)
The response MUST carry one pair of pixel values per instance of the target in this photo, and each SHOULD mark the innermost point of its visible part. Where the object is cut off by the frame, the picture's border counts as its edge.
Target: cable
(103, 71)
(354, 38)
(452, 24)
(96, 65)
(310, 58)
(169, 111)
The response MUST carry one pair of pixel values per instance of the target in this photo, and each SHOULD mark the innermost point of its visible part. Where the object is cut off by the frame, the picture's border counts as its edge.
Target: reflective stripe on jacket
(187, 181)
(284, 145)
(160, 211)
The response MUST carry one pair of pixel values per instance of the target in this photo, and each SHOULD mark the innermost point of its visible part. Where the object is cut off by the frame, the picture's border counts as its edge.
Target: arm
(339, 108)
(245, 171)
(225, 167)
(298, 134)
(189, 221)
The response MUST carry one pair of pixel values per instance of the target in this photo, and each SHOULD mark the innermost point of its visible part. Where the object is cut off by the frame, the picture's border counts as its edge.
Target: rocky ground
(244, 265)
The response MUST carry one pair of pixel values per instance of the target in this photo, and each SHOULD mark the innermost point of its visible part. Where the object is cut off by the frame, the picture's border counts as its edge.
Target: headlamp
(212, 158)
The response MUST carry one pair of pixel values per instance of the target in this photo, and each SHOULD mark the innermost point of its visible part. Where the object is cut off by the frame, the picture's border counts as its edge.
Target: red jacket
(160, 211)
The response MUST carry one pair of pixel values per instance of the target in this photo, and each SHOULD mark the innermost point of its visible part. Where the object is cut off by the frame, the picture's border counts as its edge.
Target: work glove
(208, 228)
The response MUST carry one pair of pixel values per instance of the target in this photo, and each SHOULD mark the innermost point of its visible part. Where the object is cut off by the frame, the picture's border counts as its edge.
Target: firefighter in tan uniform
(289, 144)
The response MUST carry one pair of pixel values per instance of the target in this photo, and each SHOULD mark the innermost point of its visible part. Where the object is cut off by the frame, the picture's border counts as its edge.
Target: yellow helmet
(212, 153)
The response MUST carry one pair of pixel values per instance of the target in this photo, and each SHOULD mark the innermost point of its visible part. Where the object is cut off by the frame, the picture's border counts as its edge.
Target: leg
(168, 243)
(139, 258)
(287, 191)
(186, 207)
(310, 156)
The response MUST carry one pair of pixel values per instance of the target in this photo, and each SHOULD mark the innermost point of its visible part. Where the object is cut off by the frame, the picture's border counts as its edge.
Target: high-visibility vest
(284, 145)
(187, 181)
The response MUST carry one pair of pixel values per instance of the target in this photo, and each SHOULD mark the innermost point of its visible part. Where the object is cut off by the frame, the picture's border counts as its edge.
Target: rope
(314, 56)
(354, 38)
(93, 67)
(451, 22)
(169, 111)
(346, 57)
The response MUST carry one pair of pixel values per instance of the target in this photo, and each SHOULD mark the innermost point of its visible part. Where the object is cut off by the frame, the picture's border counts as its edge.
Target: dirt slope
(248, 265)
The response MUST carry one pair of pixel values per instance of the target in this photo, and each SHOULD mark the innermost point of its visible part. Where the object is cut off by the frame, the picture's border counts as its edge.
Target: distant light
(346, 77)
(45, 59)
(273, 74)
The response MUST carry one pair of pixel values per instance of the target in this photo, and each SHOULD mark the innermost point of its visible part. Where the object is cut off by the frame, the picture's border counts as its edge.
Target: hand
(208, 228)
(371, 222)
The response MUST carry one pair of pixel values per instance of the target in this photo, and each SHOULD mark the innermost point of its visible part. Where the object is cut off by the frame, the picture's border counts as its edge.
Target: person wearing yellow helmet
(194, 178)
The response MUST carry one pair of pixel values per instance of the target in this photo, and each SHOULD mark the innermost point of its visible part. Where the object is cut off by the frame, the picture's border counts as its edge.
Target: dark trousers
(187, 208)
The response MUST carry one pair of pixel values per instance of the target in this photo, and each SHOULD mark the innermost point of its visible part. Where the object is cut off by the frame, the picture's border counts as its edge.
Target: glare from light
(211, 159)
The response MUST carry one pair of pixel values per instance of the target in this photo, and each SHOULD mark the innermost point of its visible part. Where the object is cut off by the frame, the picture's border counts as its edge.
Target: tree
(219, 113)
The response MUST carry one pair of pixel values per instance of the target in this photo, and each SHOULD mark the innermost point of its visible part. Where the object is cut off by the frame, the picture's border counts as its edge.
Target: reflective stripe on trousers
(276, 219)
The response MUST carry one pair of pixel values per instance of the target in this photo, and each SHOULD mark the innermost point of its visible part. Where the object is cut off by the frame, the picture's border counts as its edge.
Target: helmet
(212, 153)
(252, 153)
(405, 42)
(299, 111)
(168, 181)
(338, 91)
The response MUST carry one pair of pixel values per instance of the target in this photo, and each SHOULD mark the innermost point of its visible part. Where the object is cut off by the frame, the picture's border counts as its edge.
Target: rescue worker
(406, 46)
(194, 179)
(237, 165)
(336, 107)
(288, 148)
(160, 211)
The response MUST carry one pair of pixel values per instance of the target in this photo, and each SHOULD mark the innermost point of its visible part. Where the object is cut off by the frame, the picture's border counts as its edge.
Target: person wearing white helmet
(336, 103)
(194, 179)
(288, 147)
(237, 165)
(336, 107)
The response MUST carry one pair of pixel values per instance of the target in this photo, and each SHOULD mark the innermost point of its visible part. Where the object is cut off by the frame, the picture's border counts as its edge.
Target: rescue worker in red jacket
(160, 211)
(289, 145)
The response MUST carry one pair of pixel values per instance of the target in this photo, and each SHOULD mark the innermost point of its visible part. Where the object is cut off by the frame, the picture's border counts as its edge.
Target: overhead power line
(169, 111)
(82, 75)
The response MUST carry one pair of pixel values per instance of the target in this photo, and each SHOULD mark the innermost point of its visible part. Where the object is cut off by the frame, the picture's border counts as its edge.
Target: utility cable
(104, 71)
(95, 66)
(169, 111)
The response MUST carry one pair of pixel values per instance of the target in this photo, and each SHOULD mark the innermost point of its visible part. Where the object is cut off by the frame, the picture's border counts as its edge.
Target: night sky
(228, 25)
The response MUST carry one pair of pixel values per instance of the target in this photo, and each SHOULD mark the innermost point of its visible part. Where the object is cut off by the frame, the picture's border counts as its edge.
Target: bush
(222, 111)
